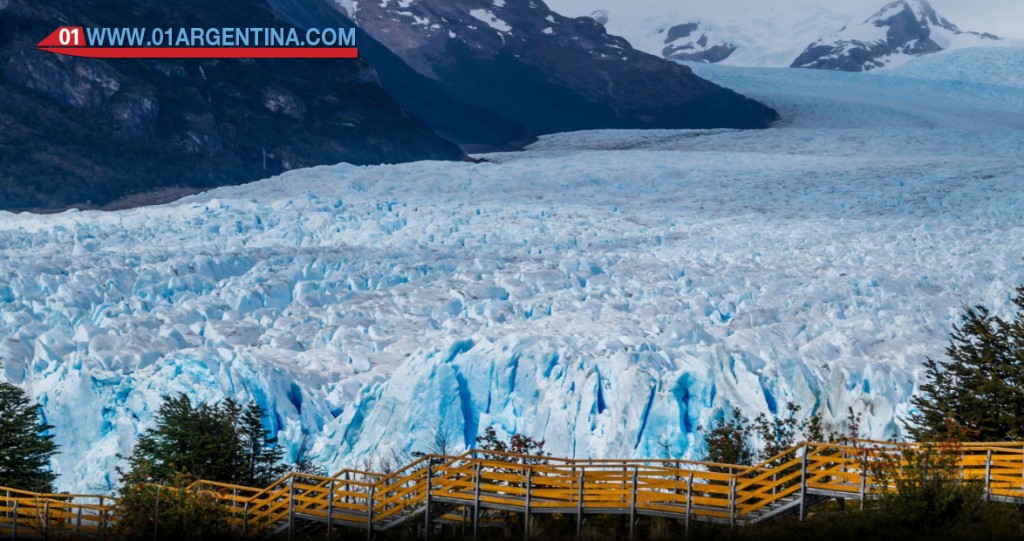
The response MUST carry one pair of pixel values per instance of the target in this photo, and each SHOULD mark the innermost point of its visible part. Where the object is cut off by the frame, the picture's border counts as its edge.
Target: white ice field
(607, 292)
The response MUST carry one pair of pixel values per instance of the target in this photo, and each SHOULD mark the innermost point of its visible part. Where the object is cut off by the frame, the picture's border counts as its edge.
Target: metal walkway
(462, 489)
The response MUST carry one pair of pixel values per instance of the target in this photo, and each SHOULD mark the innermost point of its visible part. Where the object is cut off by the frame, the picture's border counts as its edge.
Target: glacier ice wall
(608, 292)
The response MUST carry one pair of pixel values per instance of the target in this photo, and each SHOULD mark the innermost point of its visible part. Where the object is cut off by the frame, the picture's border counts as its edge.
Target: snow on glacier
(608, 292)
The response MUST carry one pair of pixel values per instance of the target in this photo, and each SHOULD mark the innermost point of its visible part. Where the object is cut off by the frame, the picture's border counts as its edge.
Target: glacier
(608, 292)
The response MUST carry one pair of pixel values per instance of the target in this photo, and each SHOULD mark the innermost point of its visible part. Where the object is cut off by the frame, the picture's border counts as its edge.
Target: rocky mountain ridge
(547, 72)
(900, 30)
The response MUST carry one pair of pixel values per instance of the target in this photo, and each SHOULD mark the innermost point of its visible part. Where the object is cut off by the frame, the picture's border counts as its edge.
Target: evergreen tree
(978, 390)
(172, 511)
(261, 454)
(25, 444)
(225, 443)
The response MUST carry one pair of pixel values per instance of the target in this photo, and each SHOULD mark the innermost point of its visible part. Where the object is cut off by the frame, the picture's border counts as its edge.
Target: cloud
(1001, 17)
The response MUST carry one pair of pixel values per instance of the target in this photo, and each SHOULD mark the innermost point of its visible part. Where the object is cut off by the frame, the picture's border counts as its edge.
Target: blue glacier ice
(608, 292)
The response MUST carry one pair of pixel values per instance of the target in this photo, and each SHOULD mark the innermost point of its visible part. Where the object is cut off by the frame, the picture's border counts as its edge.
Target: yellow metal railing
(492, 480)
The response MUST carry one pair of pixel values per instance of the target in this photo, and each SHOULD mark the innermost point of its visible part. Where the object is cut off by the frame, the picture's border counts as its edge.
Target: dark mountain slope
(472, 126)
(85, 132)
(533, 67)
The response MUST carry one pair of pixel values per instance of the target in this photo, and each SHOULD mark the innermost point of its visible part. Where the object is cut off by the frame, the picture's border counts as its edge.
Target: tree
(225, 443)
(925, 487)
(170, 511)
(728, 440)
(26, 445)
(304, 462)
(261, 453)
(778, 434)
(979, 388)
(517, 444)
(440, 443)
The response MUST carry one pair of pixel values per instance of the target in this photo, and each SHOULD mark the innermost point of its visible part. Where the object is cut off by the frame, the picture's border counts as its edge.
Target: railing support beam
(803, 484)
(632, 506)
(689, 502)
(526, 513)
(863, 479)
(330, 510)
(988, 476)
(476, 503)
(291, 508)
(426, 504)
(369, 514)
(579, 508)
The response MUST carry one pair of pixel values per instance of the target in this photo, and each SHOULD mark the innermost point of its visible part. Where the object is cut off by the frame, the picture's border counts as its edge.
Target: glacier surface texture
(607, 292)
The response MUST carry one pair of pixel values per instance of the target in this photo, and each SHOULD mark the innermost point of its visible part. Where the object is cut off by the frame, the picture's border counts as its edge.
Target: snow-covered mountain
(608, 292)
(901, 30)
(758, 33)
(738, 32)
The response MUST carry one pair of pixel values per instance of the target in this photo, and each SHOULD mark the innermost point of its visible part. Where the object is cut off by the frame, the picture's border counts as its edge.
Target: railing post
(572, 475)
(526, 514)
(369, 513)
(579, 508)
(291, 508)
(624, 472)
(426, 508)
(46, 519)
(632, 505)
(863, 478)
(103, 518)
(689, 502)
(245, 519)
(14, 522)
(330, 510)
(476, 503)
(732, 501)
(803, 485)
(988, 476)
(78, 522)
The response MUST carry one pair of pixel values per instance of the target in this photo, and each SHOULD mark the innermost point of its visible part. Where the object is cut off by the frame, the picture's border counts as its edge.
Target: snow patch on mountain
(488, 17)
(763, 34)
(901, 30)
(608, 292)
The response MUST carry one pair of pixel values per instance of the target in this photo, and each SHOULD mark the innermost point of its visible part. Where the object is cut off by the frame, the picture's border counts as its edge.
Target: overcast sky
(1000, 17)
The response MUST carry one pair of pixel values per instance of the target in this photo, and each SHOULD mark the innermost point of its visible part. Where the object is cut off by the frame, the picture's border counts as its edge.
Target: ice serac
(901, 30)
(114, 133)
(548, 72)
